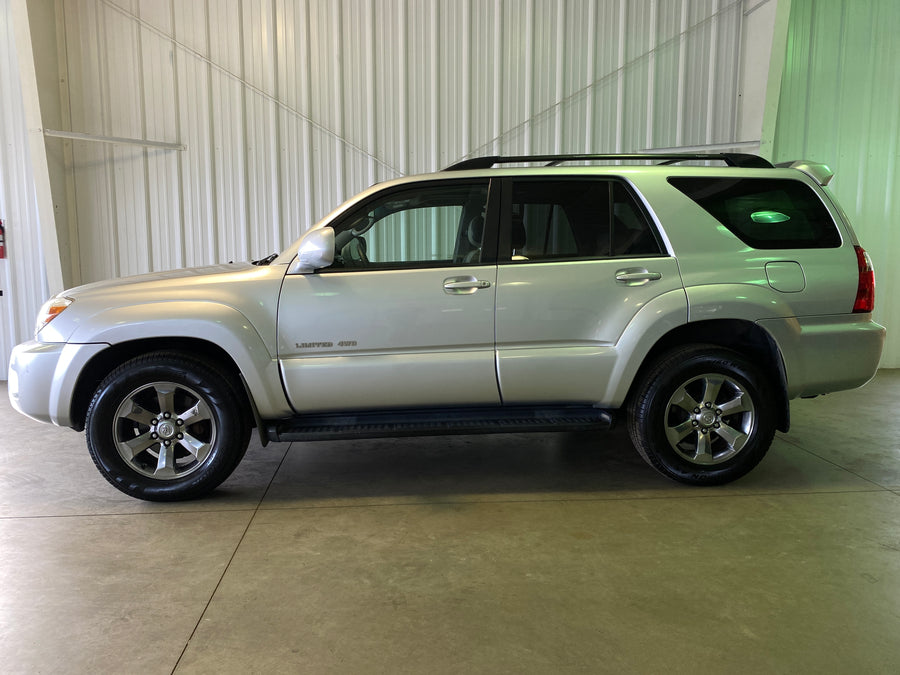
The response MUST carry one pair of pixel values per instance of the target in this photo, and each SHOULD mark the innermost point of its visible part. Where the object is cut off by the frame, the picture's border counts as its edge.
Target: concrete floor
(494, 554)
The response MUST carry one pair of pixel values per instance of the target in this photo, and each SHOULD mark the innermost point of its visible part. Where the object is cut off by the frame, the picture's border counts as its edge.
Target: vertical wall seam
(71, 196)
(711, 83)
(893, 147)
(278, 224)
(836, 119)
(811, 36)
(108, 150)
(736, 76)
(863, 149)
(213, 168)
(145, 158)
(340, 158)
(651, 73)
(498, 108)
(403, 26)
(179, 157)
(466, 69)
(244, 154)
(560, 75)
(682, 73)
(307, 127)
(620, 74)
(528, 145)
(591, 76)
(371, 133)
(434, 89)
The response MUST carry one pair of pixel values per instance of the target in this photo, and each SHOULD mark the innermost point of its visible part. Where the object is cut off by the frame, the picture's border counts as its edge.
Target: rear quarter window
(764, 213)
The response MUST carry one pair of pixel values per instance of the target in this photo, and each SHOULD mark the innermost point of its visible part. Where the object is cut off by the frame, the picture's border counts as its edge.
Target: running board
(439, 422)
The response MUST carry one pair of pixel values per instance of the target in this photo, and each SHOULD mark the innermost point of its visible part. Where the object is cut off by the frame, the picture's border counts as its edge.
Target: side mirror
(315, 252)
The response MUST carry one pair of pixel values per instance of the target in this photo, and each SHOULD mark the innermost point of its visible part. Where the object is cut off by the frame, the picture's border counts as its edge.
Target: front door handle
(636, 276)
(464, 285)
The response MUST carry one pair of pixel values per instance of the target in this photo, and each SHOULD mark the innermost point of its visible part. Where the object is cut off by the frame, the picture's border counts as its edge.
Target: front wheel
(166, 427)
(702, 415)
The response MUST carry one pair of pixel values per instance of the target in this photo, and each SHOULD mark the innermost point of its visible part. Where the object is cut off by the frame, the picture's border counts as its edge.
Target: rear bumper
(827, 353)
(42, 378)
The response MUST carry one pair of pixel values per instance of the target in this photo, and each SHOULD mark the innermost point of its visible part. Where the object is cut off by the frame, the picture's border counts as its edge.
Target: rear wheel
(702, 415)
(165, 427)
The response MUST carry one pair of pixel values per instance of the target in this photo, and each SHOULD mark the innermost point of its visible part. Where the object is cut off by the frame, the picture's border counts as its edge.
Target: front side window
(765, 213)
(577, 219)
(426, 226)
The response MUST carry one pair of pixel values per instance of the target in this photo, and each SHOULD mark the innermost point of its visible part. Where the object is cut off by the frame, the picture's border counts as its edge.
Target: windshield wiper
(266, 260)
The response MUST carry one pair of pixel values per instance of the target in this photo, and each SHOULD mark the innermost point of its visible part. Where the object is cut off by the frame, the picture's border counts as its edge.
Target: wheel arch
(106, 361)
(742, 336)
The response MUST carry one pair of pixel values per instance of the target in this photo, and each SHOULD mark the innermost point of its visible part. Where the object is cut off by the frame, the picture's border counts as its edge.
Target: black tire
(702, 415)
(166, 427)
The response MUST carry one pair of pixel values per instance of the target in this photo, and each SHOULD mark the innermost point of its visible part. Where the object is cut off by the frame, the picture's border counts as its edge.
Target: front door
(405, 316)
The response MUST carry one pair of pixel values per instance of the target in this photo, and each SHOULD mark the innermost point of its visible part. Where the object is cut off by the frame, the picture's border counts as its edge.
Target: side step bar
(439, 422)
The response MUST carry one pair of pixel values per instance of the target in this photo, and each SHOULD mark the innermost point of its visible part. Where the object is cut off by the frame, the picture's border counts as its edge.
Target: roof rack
(735, 159)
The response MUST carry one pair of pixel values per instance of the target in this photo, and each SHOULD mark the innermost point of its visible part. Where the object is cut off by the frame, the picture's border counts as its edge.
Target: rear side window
(765, 213)
(577, 219)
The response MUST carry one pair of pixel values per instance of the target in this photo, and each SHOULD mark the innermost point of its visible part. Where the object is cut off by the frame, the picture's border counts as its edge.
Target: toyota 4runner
(695, 301)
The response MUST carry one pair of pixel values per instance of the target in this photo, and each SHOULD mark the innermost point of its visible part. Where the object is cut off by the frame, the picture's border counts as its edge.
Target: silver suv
(695, 301)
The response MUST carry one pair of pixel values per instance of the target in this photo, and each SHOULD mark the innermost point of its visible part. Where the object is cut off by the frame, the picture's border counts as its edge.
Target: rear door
(578, 260)
(405, 316)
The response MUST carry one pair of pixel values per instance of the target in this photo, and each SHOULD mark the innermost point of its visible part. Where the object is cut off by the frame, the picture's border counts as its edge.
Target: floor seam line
(124, 515)
(237, 547)
(873, 490)
(834, 464)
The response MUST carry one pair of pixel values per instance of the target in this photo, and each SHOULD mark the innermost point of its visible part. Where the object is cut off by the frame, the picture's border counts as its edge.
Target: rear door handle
(464, 285)
(636, 276)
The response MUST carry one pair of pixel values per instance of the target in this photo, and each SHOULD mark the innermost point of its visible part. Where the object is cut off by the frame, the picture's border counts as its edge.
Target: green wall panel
(840, 104)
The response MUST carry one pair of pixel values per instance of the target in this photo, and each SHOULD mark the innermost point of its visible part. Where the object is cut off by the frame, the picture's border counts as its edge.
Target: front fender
(213, 322)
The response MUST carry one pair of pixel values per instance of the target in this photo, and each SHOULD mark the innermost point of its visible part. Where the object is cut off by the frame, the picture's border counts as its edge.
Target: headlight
(50, 310)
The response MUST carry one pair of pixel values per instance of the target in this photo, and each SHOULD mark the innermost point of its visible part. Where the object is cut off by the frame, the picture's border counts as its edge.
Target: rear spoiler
(815, 170)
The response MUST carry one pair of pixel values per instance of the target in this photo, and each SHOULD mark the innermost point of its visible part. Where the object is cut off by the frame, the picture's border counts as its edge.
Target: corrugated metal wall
(840, 104)
(288, 107)
(23, 277)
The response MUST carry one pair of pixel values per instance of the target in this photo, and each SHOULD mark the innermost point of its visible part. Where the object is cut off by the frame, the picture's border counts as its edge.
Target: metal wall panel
(23, 277)
(286, 107)
(840, 104)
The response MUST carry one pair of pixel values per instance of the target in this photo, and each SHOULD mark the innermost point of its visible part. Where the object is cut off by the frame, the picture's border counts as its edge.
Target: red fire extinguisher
(2, 241)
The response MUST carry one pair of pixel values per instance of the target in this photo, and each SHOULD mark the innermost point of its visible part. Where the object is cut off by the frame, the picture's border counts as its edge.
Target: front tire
(166, 427)
(702, 415)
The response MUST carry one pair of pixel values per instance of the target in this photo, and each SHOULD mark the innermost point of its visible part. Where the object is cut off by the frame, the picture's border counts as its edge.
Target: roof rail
(736, 159)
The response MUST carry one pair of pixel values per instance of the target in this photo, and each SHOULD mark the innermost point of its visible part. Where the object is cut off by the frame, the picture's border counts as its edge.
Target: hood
(188, 273)
(242, 287)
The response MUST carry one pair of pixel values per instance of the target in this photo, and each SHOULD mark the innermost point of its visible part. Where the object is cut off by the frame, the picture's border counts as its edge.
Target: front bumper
(43, 375)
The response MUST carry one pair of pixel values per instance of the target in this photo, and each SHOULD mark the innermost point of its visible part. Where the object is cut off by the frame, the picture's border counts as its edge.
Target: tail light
(865, 289)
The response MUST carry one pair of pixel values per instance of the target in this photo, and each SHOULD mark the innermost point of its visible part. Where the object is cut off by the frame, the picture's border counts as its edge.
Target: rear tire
(166, 427)
(702, 415)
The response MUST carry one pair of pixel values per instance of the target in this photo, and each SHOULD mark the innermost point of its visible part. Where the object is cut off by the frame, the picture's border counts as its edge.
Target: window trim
(489, 247)
(752, 242)
(504, 242)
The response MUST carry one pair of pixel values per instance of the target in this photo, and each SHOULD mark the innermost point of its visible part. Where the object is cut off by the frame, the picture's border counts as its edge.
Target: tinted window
(764, 212)
(566, 219)
(429, 225)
